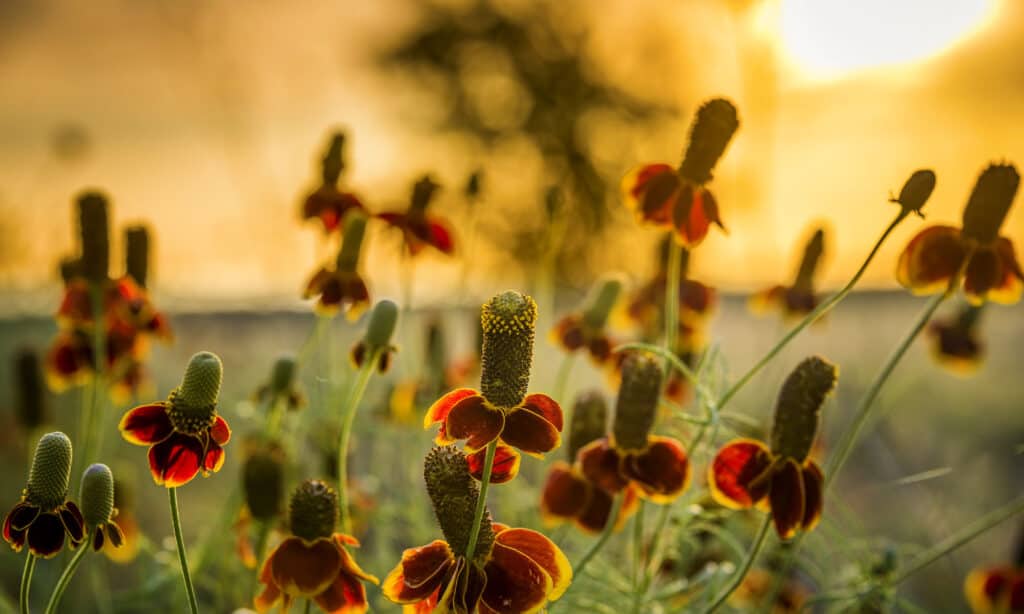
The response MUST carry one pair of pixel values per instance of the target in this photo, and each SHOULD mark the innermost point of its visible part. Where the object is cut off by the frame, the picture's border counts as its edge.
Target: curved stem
(741, 573)
(26, 582)
(819, 311)
(609, 528)
(65, 579)
(193, 604)
(481, 501)
(348, 415)
(562, 377)
(675, 263)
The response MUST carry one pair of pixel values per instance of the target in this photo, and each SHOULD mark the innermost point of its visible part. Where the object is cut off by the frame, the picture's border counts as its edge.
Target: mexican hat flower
(44, 516)
(677, 199)
(342, 287)
(314, 562)
(800, 298)
(184, 433)
(97, 496)
(988, 261)
(781, 478)
(418, 228)
(567, 493)
(328, 203)
(658, 466)
(646, 305)
(995, 590)
(376, 342)
(585, 329)
(511, 570)
(501, 410)
(263, 489)
(281, 387)
(955, 342)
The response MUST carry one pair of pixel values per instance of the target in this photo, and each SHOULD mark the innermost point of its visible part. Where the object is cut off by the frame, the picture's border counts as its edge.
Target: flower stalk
(26, 582)
(481, 501)
(193, 604)
(65, 579)
(741, 573)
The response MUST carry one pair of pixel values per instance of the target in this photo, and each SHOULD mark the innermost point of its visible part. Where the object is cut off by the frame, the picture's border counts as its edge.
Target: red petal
(931, 259)
(305, 570)
(420, 573)
(814, 483)
(214, 459)
(316, 283)
(565, 493)
(568, 333)
(220, 432)
(659, 197)
(544, 553)
(787, 498)
(46, 535)
(504, 468)
(73, 521)
(475, 421)
(600, 464)
(438, 412)
(545, 406)
(146, 424)
(346, 594)
(175, 460)
(20, 517)
(984, 273)
(732, 474)
(515, 583)
(662, 471)
(690, 220)
(1011, 286)
(530, 431)
(440, 237)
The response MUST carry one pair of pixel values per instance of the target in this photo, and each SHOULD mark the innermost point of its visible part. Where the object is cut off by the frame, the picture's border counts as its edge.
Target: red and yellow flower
(995, 590)
(419, 229)
(342, 288)
(328, 203)
(955, 343)
(800, 298)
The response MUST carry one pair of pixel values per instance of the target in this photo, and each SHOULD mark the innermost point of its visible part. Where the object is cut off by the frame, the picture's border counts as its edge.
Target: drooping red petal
(814, 489)
(474, 420)
(214, 458)
(46, 535)
(346, 595)
(439, 236)
(544, 553)
(146, 424)
(565, 493)
(515, 583)
(658, 196)
(316, 283)
(531, 431)
(733, 474)
(600, 463)
(504, 468)
(568, 333)
(689, 217)
(984, 273)
(545, 406)
(438, 412)
(931, 258)
(74, 522)
(710, 206)
(305, 570)
(986, 588)
(662, 470)
(420, 572)
(176, 460)
(787, 498)
(20, 517)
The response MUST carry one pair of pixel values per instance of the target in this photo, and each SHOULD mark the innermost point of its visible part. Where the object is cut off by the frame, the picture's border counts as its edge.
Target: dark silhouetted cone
(96, 495)
(351, 242)
(712, 130)
(589, 421)
(313, 510)
(990, 202)
(94, 233)
(334, 159)
(916, 191)
(509, 321)
(136, 250)
(454, 494)
(422, 193)
(31, 391)
(70, 268)
(263, 483)
(282, 375)
(194, 402)
(798, 410)
(810, 261)
(637, 404)
(50, 475)
(381, 327)
(601, 301)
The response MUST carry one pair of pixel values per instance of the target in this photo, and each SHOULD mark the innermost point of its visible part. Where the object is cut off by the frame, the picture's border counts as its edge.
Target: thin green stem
(638, 545)
(819, 311)
(675, 263)
(65, 579)
(193, 604)
(262, 537)
(481, 502)
(348, 414)
(26, 582)
(275, 417)
(309, 606)
(744, 568)
(609, 528)
(562, 377)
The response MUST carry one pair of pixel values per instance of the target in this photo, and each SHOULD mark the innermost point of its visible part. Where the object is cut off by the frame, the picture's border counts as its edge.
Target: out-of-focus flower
(97, 496)
(314, 562)
(782, 479)
(124, 503)
(342, 287)
(646, 305)
(995, 590)
(31, 407)
(759, 584)
(419, 229)
(44, 515)
(409, 395)
(800, 298)
(677, 199)
(989, 262)
(185, 434)
(501, 409)
(955, 342)
(376, 342)
(281, 386)
(328, 203)
(263, 488)
(585, 329)
(512, 571)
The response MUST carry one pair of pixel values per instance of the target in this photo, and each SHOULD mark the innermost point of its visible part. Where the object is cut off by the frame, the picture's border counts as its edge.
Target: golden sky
(207, 122)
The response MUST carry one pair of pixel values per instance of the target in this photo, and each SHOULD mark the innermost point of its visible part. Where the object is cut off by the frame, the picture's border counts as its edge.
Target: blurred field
(967, 432)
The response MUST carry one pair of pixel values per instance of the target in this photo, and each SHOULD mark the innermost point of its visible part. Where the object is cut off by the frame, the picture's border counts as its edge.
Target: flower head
(342, 287)
(998, 589)
(418, 228)
(136, 253)
(938, 254)
(328, 203)
(44, 516)
(800, 298)
(585, 329)
(955, 343)
(512, 571)
(185, 434)
(376, 342)
(97, 496)
(782, 477)
(94, 232)
(501, 409)
(314, 562)
(915, 192)
(646, 305)
(281, 386)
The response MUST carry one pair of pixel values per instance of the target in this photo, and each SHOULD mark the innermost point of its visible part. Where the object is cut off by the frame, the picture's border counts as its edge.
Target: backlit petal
(214, 459)
(542, 551)
(220, 432)
(530, 431)
(565, 493)
(545, 406)
(504, 468)
(662, 470)
(420, 573)
(73, 521)
(146, 424)
(814, 489)
(441, 407)
(515, 583)
(176, 460)
(985, 588)
(600, 464)
(439, 236)
(305, 570)
(346, 595)
(787, 498)
(568, 333)
(732, 474)
(689, 217)
(931, 259)
(474, 420)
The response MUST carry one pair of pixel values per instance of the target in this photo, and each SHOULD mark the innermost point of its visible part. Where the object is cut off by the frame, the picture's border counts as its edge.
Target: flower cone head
(194, 402)
(136, 249)
(509, 321)
(94, 233)
(990, 202)
(712, 129)
(282, 376)
(263, 483)
(383, 320)
(916, 191)
(50, 475)
(97, 495)
(31, 396)
(69, 268)
(313, 510)
(454, 494)
(351, 242)
(589, 421)
(637, 404)
(333, 161)
(809, 262)
(798, 409)
(422, 193)
(601, 301)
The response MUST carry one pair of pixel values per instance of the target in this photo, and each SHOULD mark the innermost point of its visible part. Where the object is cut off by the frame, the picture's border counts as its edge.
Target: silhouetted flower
(328, 203)
(995, 590)
(281, 386)
(342, 287)
(585, 329)
(376, 342)
(419, 229)
(955, 342)
(800, 298)
(97, 496)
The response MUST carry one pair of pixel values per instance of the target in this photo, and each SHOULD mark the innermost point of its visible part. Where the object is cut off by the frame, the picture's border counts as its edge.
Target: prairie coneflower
(955, 342)
(501, 410)
(677, 199)
(989, 263)
(998, 589)
(328, 203)
(342, 287)
(263, 488)
(314, 562)
(800, 298)
(780, 478)
(419, 229)
(585, 329)
(280, 387)
(511, 570)
(646, 305)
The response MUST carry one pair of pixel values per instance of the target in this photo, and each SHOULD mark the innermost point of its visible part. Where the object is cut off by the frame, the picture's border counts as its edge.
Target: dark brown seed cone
(810, 261)
(313, 510)
(509, 321)
(454, 494)
(263, 482)
(990, 202)
(916, 191)
(94, 233)
(333, 161)
(136, 252)
(70, 268)
(422, 193)
(712, 130)
(637, 405)
(798, 410)
(589, 421)
(31, 392)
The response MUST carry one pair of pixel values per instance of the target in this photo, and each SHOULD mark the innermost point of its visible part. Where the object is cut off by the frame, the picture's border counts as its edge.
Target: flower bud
(916, 191)
(50, 474)
(711, 132)
(31, 394)
(798, 410)
(263, 483)
(94, 233)
(602, 298)
(509, 321)
(96, 495)
(454, 494)
(313, 510)
(990, 202)
(333, 161)
(810, 260)
(136, 253)
(589, 421)
(637, 405)
(282, 375)
(351, 242)
(194, 402)
(422, 193)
